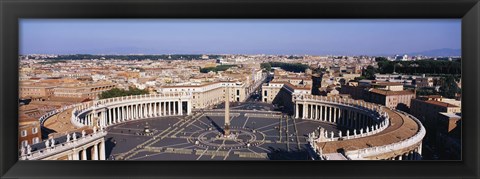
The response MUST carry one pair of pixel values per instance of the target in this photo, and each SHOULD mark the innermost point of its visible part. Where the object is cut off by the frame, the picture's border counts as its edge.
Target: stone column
(150, 111)
(296, 110)
(110, 117)
(420, 149)
(84, 154)
(316, 113)
(334, 115)
(155, 109)
(169, 108)
(102, 118)
(320, 111)
(340, 110)
(116, 115)
(137, 111)
(90, 120)
(180, 107)
(304, 112)
(310, 111)
(159, 108)
(94, 152)
(164, 108)
(143, 110)
(189, 107)
(102, 150)
(75, 155)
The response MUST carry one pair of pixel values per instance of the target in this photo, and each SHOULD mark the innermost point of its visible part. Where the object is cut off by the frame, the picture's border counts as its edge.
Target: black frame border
(12, 10)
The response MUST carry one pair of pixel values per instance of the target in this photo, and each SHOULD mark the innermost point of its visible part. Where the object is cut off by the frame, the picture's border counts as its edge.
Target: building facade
(29, 131)
(392, 99)
(207, 95)
(440, 120)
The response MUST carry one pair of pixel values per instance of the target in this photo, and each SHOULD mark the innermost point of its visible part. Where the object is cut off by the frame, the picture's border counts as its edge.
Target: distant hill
(438, 52)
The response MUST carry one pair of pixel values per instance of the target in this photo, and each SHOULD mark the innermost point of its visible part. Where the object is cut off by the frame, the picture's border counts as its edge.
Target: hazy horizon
(234, 36)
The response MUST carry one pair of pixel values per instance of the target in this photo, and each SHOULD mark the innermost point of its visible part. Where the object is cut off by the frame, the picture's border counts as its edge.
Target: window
(24, 143)
(35, 140)
(24, 133)
(34, 130)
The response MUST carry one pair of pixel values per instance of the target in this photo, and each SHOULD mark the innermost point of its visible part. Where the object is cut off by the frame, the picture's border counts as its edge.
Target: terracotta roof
(25, 119)
(391, 93)
(401, 128)
(439, 103)
(189, 86)
(433, 96)
(297, 87)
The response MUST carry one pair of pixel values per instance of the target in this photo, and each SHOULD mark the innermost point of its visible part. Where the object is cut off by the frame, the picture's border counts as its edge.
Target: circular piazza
(164, 127)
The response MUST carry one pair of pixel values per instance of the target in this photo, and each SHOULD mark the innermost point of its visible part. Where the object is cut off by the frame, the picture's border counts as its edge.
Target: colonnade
(112, 114)
(345, 116)
(97, 152)
(415, 154)
(76, 147)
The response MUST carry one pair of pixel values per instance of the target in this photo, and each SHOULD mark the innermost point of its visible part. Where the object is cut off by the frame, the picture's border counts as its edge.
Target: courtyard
(260, 135)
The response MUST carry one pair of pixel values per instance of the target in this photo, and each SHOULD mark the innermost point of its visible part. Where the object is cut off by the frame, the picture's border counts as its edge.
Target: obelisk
(227, 113)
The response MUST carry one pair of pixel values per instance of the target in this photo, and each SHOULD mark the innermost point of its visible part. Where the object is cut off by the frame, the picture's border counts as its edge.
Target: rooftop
(439, 103)
(392, 93)
(401, 127)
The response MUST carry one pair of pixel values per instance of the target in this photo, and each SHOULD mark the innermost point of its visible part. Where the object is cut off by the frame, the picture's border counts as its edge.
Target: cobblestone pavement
(260, 136)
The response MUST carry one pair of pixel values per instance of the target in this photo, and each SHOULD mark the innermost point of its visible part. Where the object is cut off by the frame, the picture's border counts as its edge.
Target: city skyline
(275, 37)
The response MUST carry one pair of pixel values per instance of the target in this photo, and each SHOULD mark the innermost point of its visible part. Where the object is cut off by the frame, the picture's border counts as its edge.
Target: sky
(238, 36)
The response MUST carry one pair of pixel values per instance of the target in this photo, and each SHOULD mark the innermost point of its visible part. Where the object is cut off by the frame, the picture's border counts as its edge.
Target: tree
(292, 67)
(215, 69)
(115, 92)
(449, 87)
(380, 59)
(420, 66)
(369, 72)
(266, 66)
